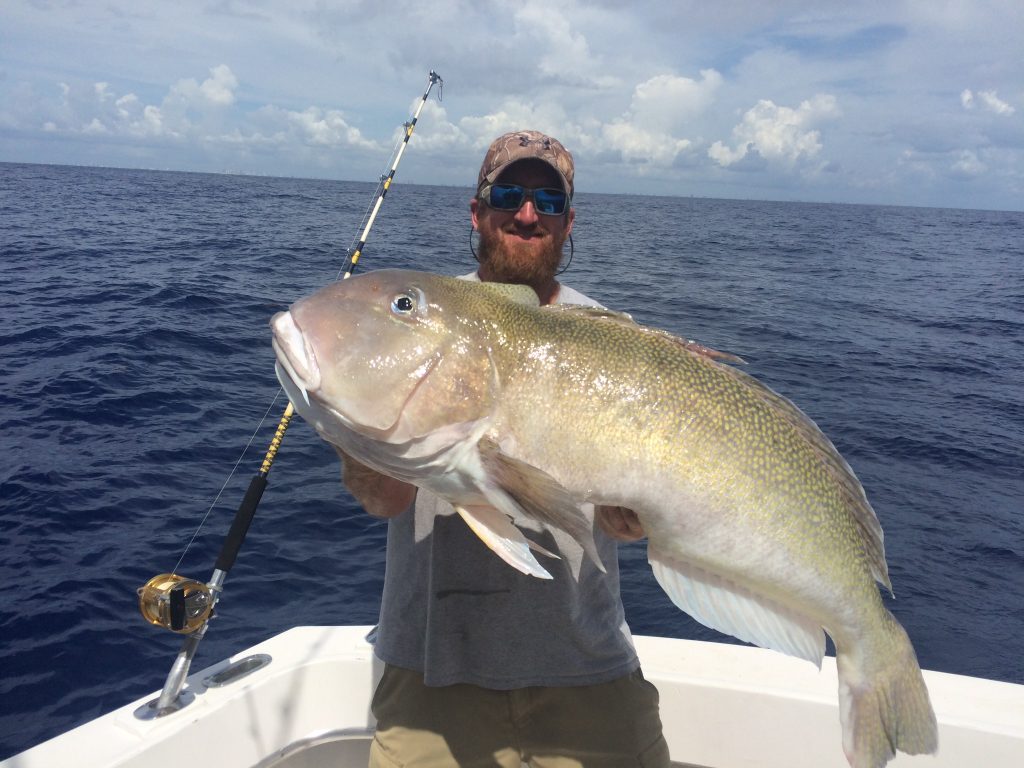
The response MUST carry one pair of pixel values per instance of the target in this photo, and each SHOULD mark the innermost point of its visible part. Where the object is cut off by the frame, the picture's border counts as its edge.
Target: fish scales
(515, 413)
(667, 408)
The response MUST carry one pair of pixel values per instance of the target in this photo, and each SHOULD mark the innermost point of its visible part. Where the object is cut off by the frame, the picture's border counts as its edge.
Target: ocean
(136, 367)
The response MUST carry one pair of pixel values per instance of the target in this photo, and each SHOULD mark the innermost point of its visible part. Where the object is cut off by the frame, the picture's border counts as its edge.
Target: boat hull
(309, 707)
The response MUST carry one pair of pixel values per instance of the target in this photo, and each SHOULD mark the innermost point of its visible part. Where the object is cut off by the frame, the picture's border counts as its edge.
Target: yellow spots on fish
(728, 477)
(645, 398)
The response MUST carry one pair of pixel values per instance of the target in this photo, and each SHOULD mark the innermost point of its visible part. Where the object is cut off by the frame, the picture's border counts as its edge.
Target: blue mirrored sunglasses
(510, 197)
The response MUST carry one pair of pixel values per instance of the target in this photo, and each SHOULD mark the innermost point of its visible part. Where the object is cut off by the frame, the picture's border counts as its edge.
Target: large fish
(518, 414)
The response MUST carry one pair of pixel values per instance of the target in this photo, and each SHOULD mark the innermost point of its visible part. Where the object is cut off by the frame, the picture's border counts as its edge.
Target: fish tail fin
(883, 701)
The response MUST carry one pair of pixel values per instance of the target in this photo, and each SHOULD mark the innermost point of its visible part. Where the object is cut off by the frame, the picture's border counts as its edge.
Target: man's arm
(619, 523)
(380, 495)
(383, 496)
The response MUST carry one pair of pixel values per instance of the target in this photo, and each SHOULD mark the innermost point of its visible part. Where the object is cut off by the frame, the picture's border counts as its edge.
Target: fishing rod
(185, 606)
(385, 182)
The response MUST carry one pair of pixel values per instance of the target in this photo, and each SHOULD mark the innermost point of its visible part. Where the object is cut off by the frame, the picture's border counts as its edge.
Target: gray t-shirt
(456, 612)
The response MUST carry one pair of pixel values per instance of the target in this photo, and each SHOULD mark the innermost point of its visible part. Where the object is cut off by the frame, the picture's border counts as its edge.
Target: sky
(898, 102)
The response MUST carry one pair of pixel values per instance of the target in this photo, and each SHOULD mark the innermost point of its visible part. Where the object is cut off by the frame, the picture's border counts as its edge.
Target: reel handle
(176, 603)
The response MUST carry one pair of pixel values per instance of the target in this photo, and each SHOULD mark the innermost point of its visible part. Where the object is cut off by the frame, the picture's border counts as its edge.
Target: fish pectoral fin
(721, 604)
(526, 490)
(505, 540)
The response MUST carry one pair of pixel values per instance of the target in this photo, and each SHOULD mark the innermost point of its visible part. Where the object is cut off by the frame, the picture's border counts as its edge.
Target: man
(486, 666)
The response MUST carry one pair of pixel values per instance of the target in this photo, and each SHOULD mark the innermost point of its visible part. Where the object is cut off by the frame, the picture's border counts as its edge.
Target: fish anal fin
(527, 490)
(728, 607)
(495, 530)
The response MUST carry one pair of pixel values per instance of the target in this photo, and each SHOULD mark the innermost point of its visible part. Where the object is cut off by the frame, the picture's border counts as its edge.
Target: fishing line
(385, 182)
(186, 605)
(231, 474)
(352, 255)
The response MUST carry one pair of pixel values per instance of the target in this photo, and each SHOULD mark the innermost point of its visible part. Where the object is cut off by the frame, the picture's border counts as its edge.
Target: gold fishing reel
(175, 603)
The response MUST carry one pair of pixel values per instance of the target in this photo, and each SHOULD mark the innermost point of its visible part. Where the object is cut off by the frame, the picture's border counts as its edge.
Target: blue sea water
(136, 365)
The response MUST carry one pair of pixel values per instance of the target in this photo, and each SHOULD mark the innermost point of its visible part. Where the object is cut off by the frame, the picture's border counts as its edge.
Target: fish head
(390, 354)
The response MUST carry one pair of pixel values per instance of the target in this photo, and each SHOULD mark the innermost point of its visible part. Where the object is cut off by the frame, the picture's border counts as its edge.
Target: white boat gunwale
(723, 706)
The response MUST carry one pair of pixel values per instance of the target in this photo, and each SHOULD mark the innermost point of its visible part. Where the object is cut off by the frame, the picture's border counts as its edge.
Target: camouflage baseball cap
(524, 145)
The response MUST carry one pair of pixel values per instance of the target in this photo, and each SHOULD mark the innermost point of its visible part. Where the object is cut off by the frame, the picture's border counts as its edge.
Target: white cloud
(669, 102)
(434, 130)
(512, 115)
(95, 127)
(326, 128)
(988, 99)
(638, 145)
(198, 112)
(218, 89)
(780, 135)
(661, 111)
(632, 88)
(189, 109)
(563, 53)
(968, 164)
(151, 123)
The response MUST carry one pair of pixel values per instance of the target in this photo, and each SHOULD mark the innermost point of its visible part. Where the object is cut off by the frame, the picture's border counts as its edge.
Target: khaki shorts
(605, 725)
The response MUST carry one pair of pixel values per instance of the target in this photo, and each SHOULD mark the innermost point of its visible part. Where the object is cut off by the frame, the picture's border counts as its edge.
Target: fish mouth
(295, 357)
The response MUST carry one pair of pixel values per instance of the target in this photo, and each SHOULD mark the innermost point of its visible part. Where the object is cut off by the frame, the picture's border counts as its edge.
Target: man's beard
(511, 262)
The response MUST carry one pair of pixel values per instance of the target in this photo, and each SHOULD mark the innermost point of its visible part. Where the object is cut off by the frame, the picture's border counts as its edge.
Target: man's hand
(380, 495)
(619, 523)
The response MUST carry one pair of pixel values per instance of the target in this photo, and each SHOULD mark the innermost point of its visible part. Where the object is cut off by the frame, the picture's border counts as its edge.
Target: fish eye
(403, 304)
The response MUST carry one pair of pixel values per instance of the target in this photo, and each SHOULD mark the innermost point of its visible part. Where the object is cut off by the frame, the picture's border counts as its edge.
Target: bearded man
(484, 665)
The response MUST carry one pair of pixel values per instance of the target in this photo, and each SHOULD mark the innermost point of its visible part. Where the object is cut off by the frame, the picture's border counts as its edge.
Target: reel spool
(175, 603)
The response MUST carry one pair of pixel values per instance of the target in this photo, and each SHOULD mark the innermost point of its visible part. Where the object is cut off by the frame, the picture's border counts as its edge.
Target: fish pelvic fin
(505, 540)
(728, 607)
(523, 489)
(883, 702)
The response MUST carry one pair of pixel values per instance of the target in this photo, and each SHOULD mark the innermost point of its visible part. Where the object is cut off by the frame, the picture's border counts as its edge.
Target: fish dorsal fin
(522, 490)
(599, 313)
(704, 351)
(623, 318)
(867, 521)
(729, 607)
(520, 294)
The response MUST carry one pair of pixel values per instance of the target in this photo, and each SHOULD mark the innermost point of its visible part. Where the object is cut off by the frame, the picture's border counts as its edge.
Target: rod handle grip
(240, 525)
